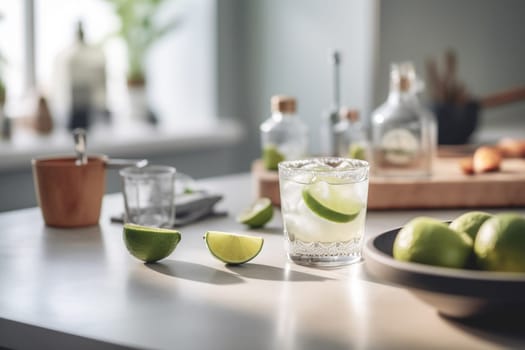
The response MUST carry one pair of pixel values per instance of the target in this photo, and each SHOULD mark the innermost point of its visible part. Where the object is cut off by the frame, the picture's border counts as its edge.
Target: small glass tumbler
(323, 204)
(149, 195)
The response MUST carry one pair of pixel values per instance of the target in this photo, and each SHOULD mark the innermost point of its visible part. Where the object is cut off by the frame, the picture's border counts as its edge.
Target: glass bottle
(403, 130)
(283, 136)
(330, 118)
(352, 141)
(80, 85)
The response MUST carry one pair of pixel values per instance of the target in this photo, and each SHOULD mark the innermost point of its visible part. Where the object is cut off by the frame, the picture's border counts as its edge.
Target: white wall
(488, 36)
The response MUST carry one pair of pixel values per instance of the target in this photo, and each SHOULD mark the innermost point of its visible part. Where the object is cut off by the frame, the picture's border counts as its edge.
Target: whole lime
(470, 222)
(429, 241)
(500, 243)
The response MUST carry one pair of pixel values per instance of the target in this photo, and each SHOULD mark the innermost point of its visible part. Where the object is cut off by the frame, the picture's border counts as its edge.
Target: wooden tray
(447, 188)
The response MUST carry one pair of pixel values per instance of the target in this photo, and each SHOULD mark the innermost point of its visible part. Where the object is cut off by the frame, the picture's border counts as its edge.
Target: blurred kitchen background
(211, 66)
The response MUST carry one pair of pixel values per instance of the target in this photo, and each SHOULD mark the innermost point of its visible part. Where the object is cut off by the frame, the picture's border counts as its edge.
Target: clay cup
(69, 195)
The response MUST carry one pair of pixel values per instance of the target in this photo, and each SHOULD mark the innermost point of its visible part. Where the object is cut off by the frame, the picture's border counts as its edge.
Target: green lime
(500, 243)
(233, 248)
(327, 202)
(150, 244)
(258, 214)
(356, 151)
(470, 222)
(272, 157)
(429, 241)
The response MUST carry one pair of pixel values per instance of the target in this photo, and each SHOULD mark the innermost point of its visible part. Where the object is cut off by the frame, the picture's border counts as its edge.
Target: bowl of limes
(473, 266)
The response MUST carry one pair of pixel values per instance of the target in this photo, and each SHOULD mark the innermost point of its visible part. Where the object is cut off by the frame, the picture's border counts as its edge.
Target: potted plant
(140, 28)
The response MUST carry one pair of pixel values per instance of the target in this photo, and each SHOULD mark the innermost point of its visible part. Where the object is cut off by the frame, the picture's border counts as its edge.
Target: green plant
(140, 27)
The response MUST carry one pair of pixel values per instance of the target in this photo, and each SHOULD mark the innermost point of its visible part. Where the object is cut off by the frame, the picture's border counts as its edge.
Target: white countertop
(80, 289)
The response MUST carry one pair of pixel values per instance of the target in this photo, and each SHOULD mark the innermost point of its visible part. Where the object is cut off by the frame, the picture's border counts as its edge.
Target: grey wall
(17, 190)
(283, 47)
(488, 36)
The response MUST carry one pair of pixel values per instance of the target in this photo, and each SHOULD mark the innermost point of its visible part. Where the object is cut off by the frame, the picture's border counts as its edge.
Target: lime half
(150, 244)
(327, 202)
(258, 214)
(233, 248)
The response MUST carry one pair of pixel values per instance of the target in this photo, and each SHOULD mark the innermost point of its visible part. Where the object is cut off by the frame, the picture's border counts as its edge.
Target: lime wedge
(150, 244)
(258, 214)
(356, 151)
(327, 202)
(271, 157)
(233, 248)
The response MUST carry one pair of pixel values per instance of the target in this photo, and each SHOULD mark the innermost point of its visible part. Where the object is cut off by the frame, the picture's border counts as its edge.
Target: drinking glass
(149, 195)
(323, 204)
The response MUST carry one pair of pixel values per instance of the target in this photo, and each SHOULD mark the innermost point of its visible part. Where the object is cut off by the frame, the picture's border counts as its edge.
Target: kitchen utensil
(149, 195)
(456, 110)
(79, 135)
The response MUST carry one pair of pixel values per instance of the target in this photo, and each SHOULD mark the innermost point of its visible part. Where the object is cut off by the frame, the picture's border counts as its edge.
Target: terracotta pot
(69, 195)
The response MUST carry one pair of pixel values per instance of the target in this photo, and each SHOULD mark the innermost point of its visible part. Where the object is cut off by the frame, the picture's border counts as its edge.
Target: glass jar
(352, 141)
(403, 130)
(283, 136)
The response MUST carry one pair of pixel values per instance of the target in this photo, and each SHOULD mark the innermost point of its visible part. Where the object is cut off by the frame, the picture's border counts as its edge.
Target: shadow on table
(272, 273)
(194, 272)
(505, 329)
(269, 230)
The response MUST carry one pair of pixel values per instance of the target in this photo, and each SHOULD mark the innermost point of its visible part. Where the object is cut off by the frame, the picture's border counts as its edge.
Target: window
(180, 66)
(12, 49)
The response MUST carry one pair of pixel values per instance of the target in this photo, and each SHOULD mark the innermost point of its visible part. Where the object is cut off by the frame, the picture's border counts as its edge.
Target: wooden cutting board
(448, 187)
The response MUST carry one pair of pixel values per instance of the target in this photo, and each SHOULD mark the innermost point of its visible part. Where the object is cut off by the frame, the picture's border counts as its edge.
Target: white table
(80, 289)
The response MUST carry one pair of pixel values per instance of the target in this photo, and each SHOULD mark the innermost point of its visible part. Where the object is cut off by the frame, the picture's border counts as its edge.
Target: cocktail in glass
(323, 204)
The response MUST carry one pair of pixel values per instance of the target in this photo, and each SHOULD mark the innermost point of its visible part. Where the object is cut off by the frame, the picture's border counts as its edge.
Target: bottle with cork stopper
(283, 136)
(351, 137)
(403, 130)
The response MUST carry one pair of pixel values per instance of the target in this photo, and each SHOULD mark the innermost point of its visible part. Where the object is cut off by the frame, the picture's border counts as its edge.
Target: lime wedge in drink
(258, 214)
(233, 248)
(327, 202)
(150, 244)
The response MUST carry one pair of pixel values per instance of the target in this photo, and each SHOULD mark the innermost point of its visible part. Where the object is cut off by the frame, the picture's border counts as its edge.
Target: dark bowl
(458, 293)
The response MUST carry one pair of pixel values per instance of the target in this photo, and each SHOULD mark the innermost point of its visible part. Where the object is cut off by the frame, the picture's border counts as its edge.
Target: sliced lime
(327, 202)
(356, 151)
(150, 244)
(233, 248)
(258, 214)
(271, 157)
